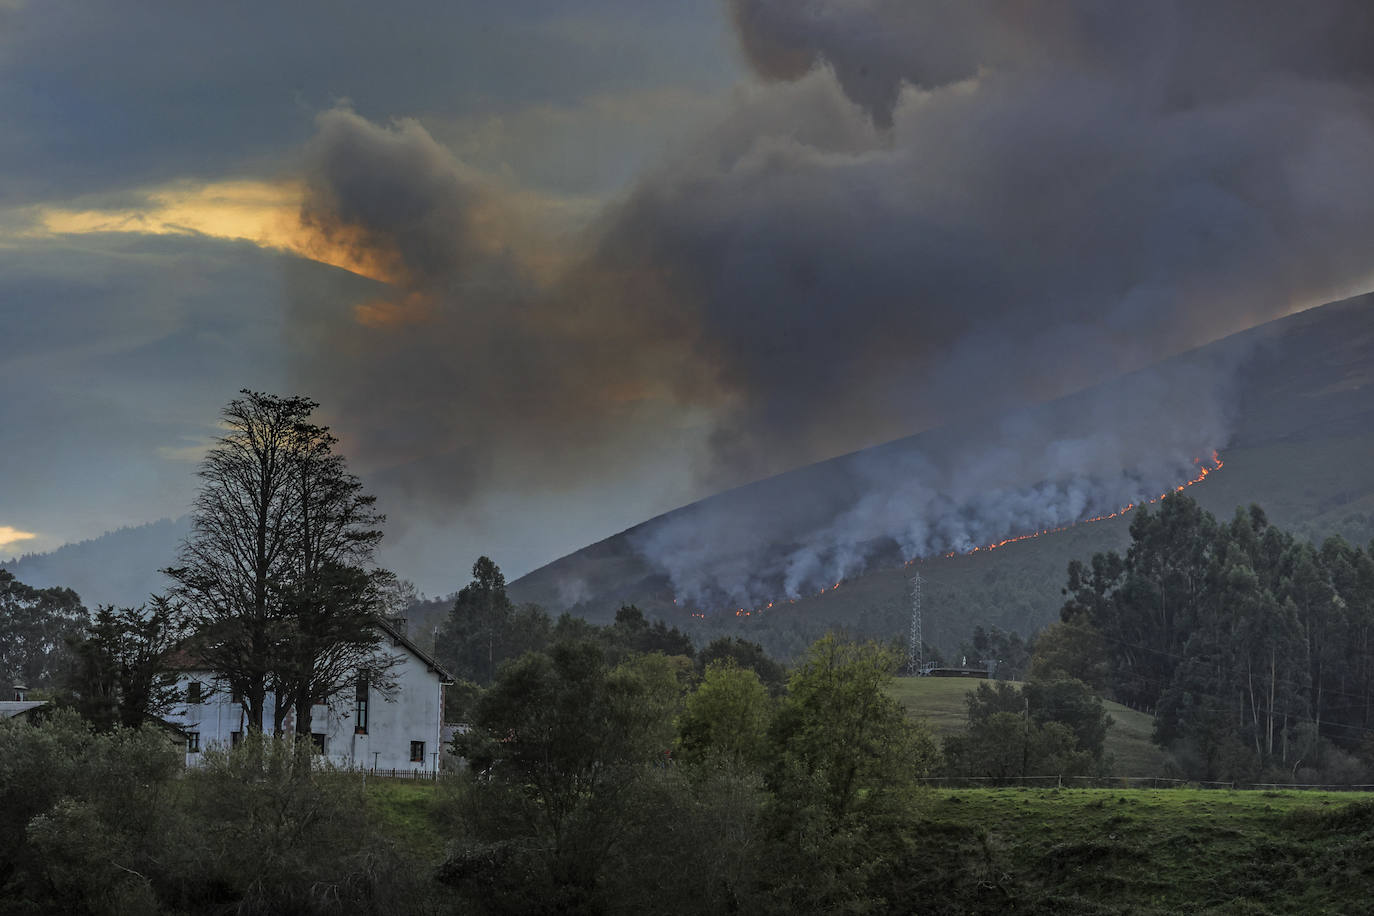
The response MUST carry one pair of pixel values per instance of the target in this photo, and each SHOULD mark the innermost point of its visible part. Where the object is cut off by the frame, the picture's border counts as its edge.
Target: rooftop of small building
(183, 659)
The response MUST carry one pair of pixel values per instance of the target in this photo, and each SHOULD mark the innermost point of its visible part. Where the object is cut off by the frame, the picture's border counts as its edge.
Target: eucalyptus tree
(485, 628)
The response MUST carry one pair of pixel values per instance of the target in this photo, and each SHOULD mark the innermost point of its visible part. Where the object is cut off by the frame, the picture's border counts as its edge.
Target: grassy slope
(940, 701)
(1142, 851)
(411, 812)
(1097, 851)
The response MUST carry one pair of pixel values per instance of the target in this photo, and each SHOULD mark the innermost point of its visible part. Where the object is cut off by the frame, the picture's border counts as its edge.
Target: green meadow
(940, 701)
(1088, 851)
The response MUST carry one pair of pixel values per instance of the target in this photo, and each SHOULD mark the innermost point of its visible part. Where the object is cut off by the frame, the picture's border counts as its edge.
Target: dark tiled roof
(400, 637)
(182, 659)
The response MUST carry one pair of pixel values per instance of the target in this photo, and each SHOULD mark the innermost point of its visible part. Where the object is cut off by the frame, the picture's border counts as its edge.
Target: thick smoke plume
(920, 212)
(492, 353)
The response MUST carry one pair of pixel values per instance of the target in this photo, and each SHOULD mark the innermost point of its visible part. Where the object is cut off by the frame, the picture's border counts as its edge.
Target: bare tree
(278, 569)
(335, 595)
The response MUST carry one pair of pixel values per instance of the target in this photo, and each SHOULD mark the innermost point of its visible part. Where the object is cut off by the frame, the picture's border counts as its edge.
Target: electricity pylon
(915, 650)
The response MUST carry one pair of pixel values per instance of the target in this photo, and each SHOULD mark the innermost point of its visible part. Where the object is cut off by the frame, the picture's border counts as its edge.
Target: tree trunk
(1273, 676)
(255, 698)
(304, 702)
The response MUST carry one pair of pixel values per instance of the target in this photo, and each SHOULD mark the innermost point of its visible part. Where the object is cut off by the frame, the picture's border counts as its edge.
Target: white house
(359, 728)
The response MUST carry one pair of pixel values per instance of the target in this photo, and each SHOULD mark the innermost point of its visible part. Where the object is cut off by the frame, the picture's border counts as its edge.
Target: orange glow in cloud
(264, 213)
(10, 535)
(268, 214)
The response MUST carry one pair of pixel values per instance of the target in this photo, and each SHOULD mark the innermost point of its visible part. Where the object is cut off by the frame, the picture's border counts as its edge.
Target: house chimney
(20, 693)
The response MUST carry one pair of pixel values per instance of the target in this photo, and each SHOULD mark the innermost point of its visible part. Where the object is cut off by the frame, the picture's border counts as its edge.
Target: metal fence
(394, 773)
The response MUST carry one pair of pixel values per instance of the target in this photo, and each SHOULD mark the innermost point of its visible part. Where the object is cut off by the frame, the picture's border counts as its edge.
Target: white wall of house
(402, 724)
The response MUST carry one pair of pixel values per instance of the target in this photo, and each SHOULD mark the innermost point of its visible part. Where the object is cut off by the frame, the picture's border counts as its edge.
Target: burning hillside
(1201, 472)
(1289, 404)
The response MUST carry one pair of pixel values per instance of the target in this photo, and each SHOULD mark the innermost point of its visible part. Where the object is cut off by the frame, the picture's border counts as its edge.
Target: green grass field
(1142, 851)
(412, 812)
(1087, 851)
(940, 701)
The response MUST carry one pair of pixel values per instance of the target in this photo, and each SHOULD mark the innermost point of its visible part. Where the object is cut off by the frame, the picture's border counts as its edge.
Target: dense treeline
(36, 628)
(1006, 655)
(485, 629)
(113, 823)
(602, 781)
(1050, 726)
(599, 780)
(1251, 647)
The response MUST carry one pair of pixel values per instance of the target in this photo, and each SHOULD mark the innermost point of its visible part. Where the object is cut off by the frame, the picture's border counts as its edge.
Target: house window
(193, 742)
(317, 741)
(193, 692)
(235, 696)
(360, 705)
(417, 752)
(235, 738)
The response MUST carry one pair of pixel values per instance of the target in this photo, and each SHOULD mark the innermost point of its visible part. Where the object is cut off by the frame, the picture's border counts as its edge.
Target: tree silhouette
(277, 572)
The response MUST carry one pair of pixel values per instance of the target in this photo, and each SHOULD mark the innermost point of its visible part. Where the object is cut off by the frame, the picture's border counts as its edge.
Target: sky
(551, 269)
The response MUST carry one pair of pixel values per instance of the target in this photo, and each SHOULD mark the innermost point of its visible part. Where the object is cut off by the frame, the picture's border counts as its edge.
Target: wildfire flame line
(1203, 472)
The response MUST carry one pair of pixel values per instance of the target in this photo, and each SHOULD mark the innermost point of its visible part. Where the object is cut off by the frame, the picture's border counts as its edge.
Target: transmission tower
(915, 650)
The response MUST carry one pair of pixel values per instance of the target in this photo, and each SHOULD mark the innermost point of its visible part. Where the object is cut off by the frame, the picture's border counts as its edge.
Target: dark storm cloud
(102, 96)
(1183, 53)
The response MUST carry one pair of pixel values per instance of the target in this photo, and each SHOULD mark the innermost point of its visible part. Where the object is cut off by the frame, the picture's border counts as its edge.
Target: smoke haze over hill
(973, 484)
(924, 211)
(1299, 426)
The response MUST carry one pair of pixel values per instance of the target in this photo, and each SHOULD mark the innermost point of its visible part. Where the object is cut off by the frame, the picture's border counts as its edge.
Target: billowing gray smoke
(978, 483)
(922, 211)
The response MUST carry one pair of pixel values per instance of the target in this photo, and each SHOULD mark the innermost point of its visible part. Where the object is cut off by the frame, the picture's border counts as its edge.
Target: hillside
(1300, 443)
(119, 568)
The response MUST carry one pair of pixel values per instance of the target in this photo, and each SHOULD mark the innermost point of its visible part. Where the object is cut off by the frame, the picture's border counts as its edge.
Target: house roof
(181, 659)
(178, 731)
(11, 708)
(399, 636)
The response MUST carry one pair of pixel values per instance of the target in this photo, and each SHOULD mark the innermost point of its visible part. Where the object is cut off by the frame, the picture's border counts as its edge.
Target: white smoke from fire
(979, 483)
